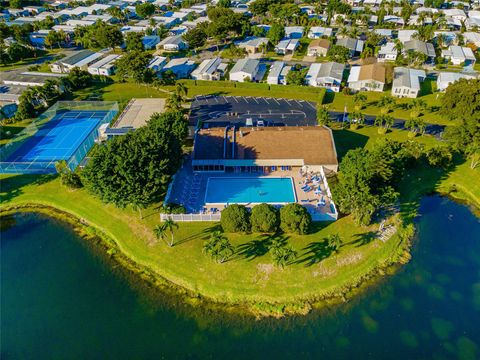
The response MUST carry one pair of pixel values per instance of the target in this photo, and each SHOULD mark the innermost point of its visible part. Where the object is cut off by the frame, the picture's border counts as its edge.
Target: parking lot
(224, 110)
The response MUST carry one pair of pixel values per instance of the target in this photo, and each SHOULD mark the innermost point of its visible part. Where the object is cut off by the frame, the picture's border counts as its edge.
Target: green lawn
(367, 136)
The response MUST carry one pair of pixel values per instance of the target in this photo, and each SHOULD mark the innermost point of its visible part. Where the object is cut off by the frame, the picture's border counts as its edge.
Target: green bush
(439, 156)
(235, 218)
(71, 180)
(264, 219)
(173, 209)
(294, 218)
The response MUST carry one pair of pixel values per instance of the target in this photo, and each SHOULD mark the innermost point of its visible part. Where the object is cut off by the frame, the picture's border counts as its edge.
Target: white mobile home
(105, 66)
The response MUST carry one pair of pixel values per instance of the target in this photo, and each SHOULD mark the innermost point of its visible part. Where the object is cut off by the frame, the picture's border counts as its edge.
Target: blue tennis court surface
(59, 138)
(249, 190)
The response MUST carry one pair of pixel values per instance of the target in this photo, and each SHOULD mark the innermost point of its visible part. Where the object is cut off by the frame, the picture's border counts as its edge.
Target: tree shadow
(314, 253)
(202, 235)
(363, 238)
(346, 140)
(259, 247)
(253, 249)
(403, 106)
(11, 186)
(328, 98)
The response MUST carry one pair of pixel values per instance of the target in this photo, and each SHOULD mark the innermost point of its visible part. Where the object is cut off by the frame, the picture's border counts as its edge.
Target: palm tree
(334, 242)
(398, 45)
(357, 118)
(354, 32)
(173, 102)
(359, 100)
(411, 124)
(416, 107)
(226, 250)
(160, 232)
(384, 122)
(378, 121)
(170, 225)
(218, 247)
(421, 125)
(389, 121)
(181, 90)
(282, 254)
(386, 103)
(323, 116)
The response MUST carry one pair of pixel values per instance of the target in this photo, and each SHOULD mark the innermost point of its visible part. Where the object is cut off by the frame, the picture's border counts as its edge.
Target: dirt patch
(322, 271)
(350, 259)
(263, 272)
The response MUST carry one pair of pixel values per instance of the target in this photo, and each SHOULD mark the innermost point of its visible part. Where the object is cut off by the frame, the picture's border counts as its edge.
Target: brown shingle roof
(313, 144)
(372, 72)
(319, 43)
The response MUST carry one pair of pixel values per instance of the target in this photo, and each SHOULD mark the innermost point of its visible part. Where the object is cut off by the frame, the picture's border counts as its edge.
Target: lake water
(60, 298)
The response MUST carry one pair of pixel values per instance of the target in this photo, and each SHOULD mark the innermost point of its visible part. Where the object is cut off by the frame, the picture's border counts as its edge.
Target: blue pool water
(249, 190)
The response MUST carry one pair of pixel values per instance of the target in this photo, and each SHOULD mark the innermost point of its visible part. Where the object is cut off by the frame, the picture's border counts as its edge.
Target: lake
(62, 298)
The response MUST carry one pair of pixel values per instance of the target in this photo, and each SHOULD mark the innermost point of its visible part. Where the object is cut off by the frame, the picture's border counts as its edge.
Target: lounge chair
(307, 189)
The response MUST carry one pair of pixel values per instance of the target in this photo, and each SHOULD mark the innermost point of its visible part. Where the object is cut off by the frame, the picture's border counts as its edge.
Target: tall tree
(135, 169)
(134, 65)
(338, 53)
(276, 33)
(196, 37)
(133, 41)
(367, 179)
(145, 10)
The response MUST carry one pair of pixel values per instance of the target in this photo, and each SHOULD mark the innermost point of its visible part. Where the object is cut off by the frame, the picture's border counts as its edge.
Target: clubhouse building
(264, 149)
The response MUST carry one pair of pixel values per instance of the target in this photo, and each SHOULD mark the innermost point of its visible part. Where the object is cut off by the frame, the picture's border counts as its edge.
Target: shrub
(173, 209)
(67, 176)
(439, 156)
(235, 218)
(71, 180)
(264, 219)
(294, 218)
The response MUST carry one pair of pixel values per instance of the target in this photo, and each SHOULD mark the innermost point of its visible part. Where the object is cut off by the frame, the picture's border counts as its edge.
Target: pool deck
(189, 190)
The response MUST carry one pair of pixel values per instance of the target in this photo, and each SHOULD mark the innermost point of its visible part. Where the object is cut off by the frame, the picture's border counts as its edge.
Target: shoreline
(258, 310)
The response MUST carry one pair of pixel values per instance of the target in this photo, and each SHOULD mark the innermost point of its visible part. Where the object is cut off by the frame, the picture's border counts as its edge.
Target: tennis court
(66, 131)
(59, 138)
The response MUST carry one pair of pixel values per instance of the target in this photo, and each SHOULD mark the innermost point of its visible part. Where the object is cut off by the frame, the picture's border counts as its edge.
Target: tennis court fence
(41, 126)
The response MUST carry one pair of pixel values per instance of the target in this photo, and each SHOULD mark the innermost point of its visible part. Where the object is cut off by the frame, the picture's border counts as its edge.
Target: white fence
(333, 214)
(190, 217)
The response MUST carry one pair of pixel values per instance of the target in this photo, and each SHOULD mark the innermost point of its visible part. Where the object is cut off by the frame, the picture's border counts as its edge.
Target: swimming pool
(246, 190)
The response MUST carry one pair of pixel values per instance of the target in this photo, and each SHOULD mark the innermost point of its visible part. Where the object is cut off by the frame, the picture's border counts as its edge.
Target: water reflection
(68, 300)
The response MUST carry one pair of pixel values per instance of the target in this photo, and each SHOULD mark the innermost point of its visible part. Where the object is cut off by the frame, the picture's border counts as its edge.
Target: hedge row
(264, 218)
